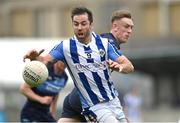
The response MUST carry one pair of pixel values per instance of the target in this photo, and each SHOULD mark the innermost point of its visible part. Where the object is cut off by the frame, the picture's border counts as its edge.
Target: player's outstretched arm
(36, 55)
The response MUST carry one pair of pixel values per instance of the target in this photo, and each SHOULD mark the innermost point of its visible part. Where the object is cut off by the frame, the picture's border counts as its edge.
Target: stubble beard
(85, 38)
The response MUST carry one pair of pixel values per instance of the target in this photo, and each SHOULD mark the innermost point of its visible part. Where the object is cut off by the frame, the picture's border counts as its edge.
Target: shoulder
(105, 35)
(103, 39)
(64, 43)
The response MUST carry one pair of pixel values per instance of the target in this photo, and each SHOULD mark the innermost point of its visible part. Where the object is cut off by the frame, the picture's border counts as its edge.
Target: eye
(84, 23)
(126, 26)
(131, 27)
(75, 23)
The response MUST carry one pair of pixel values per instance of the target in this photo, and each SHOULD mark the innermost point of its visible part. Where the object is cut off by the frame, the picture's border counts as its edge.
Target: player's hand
(32, 54)
(114, 65)
(46, 100)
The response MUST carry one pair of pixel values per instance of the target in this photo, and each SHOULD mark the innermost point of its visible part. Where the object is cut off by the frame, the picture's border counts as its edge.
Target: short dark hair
(82, 10)
(120, 14)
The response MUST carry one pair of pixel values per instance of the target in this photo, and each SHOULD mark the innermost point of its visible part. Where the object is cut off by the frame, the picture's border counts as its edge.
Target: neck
(113, 33)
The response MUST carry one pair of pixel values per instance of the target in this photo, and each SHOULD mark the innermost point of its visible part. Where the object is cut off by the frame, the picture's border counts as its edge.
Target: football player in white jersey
(89, 59)
(121, 30)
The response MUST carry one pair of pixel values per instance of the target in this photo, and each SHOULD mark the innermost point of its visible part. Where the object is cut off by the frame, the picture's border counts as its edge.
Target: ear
(91, 26)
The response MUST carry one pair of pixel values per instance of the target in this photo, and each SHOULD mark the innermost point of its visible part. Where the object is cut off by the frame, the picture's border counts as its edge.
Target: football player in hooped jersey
(121, 29)
(41, 100)
(86, 55)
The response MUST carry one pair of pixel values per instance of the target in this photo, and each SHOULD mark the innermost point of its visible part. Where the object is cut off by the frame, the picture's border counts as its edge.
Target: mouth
(127, 36)
(80, 34)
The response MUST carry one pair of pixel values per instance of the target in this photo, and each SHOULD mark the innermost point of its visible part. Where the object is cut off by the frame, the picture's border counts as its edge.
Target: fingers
(32, 54)
(41, 51)
(109, 62)
(49, 99)
(24, 58)
(46, 100)
(113, 64)
(28, 55)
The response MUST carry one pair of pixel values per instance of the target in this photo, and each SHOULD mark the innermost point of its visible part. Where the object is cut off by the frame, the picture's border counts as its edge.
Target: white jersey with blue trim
(87, 64)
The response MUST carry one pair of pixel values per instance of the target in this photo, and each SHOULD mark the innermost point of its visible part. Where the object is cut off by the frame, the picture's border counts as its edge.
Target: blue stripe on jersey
(75, 58)
(73, 51)
(83, 100)
(100, 85)
(86, 85)
(88, 52)
(109, 84)
(100, 47)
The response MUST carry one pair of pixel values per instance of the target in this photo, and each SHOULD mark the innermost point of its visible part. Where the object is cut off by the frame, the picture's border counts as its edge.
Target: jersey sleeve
(113, 52)
(57, 52)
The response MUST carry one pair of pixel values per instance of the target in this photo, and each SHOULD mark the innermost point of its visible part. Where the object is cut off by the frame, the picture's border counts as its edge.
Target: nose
(79, 26)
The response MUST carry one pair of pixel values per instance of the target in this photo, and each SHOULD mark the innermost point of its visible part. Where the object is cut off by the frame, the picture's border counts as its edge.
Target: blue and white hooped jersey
(87, 64)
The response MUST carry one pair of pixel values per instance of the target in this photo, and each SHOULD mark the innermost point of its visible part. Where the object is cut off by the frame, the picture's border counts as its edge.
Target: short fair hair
(117, 15)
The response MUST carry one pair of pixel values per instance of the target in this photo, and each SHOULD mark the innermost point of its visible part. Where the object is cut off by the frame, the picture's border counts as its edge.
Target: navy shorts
(35, 112)
(72, 106)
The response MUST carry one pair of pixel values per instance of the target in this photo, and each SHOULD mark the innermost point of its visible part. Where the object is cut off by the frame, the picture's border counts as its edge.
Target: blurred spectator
(133, 102)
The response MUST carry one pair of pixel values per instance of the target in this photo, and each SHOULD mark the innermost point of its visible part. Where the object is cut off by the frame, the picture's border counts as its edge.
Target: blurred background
(154, 49)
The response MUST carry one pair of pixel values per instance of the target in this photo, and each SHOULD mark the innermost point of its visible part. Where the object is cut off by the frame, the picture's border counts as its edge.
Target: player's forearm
(35, 55)
(125, 65)
(126, 68)
(46, 59)
(25, 90)
(122, 67)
